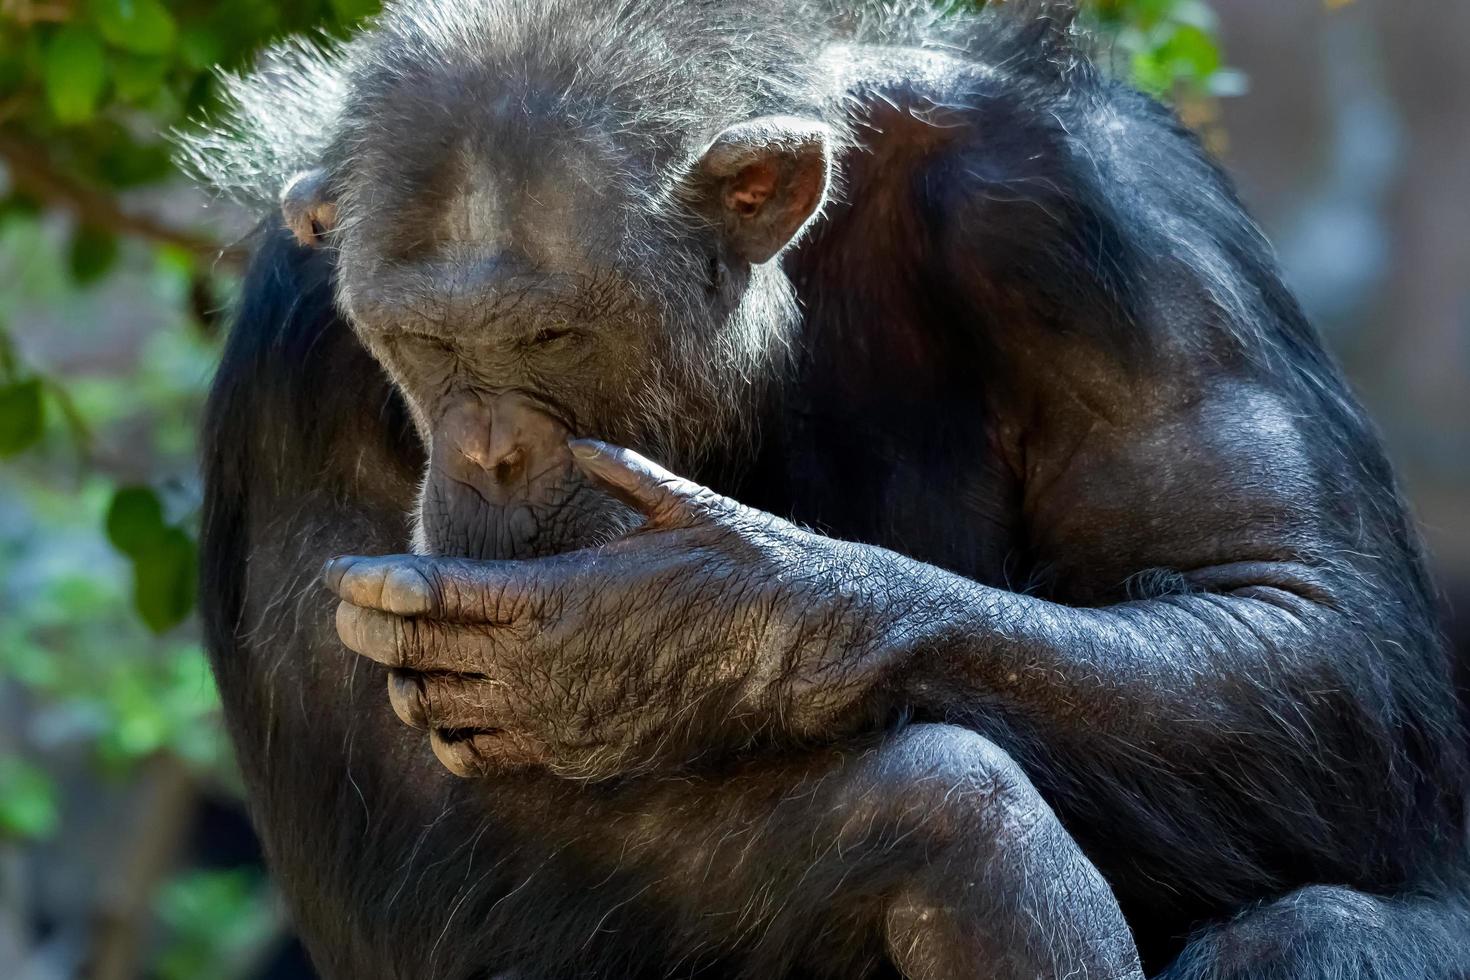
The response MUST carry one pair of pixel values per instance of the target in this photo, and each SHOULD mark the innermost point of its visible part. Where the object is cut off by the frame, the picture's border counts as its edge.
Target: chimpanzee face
(525, 279)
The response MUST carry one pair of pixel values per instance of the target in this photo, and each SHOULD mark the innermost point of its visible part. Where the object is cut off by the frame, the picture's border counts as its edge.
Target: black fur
(1001, 239)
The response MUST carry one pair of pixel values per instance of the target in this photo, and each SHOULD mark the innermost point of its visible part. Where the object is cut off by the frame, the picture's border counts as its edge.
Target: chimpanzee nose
(502, 455)
(500, 444)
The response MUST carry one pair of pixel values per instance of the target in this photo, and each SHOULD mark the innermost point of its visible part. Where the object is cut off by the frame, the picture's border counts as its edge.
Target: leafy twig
(32, 171)
(28, 12)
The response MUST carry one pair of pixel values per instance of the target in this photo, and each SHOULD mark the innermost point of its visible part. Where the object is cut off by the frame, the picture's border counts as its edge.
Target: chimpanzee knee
(1032, 338)
(940, 786)
(996, 886)
(1324, 933)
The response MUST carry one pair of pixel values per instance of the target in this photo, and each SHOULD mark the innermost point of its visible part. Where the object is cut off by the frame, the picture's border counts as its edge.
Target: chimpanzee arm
(1275, 686)
(1227, 632)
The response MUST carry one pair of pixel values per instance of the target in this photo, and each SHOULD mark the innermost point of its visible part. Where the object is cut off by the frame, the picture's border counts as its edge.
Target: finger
(372, 634)
(408, 643)
(397, 584)
(454, 589)
(407, 698)
(335, 568)
(478, 754)
(459, 753)
(451, 701)
(642, 484)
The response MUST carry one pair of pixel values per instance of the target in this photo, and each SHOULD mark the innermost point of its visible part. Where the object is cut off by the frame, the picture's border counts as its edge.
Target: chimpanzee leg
(1005, 892)
(1326, 933)
(933, 840)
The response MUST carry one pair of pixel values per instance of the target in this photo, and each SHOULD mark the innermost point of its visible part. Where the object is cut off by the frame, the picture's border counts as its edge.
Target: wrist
(929, 624)
(868, 623)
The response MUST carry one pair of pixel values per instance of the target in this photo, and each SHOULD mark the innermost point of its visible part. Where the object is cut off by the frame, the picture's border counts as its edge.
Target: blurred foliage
(88, 93)
(216, 918)
(108, 293)
(100, 495)
(27, 801)
(1168, 47)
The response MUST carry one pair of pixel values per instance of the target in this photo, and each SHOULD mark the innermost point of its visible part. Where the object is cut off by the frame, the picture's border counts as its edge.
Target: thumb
(662, 497)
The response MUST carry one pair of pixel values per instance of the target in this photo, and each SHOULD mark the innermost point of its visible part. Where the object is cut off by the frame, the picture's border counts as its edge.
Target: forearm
(1138, 718)
(1155, 671)
(1170, 676)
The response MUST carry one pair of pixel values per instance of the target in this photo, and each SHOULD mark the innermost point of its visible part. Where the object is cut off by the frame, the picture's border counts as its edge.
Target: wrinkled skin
(708, 627)
(600, 663)
(501, 483)
(1032, 598)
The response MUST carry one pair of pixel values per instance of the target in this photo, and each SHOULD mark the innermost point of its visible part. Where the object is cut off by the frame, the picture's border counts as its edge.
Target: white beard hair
(705, 402)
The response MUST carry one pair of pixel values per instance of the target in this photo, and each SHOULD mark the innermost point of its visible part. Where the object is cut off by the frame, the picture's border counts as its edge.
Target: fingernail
(585, 448)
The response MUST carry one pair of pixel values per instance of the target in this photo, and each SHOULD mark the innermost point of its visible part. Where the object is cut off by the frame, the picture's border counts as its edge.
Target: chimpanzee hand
(698, 630)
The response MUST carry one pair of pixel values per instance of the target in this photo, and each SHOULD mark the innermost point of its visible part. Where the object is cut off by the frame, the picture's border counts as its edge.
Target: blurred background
(124, 846)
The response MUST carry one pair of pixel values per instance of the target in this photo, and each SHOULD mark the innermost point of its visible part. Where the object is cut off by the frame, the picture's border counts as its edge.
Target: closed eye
(428, 342)
(550, 335)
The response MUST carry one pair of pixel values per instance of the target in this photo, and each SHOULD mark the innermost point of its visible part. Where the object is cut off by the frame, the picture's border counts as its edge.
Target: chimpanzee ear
(761, 180)
(308, 207)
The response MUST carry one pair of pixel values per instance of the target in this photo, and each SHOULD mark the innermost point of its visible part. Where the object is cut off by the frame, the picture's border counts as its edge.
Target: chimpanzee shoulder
(1018, 254)
(1012, 223)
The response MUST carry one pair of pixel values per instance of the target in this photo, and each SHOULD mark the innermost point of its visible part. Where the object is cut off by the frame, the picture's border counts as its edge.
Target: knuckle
(409, 641)
(505, 602)
(362, 582)
(336, 570)
(444, 585)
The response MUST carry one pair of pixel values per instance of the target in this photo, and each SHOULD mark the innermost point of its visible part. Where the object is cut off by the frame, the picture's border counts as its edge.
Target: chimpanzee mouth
(501, 484)
(560, 512)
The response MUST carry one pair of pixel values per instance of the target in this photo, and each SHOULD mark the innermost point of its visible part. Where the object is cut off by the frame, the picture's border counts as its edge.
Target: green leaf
(19, 205)
(241, 27)
(137, 77)
(135, 520)
(22, 416)
(211, 919)
(93, 252)
(75, 74)
(12, 69)
(1149, 73)
(351, 11)
(139, 723)
(1192, 53)
(201, 47)
(9, 364)
(28, 663)
(28, 808)
(76, 424)
(139, 26)
(201, 96)
(164, 580)
(125, 163)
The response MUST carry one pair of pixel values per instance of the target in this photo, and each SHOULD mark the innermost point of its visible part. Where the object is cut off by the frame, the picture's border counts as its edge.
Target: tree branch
(162, 806)
(28, 12)
(32, 171)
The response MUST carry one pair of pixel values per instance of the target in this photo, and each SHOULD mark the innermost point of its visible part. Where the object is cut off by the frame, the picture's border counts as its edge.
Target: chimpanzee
(1033, 600)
